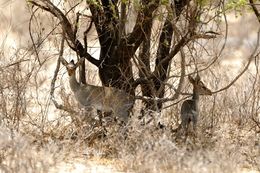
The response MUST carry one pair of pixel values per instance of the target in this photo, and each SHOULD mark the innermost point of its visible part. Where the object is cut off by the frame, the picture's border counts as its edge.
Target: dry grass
(35, 137)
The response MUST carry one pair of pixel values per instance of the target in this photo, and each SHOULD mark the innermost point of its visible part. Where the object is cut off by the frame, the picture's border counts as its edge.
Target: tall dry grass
(36, 137)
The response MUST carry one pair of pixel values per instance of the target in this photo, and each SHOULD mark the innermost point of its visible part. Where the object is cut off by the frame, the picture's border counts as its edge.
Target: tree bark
(157, 87)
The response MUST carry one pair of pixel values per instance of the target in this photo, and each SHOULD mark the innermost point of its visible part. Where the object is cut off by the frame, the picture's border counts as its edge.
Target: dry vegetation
(37, 137)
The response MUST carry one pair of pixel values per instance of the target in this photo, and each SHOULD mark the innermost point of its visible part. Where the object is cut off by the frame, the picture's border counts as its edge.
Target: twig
(57, 105)
(30, 33)
(252, 56)
(17, 62)
(255, 10)
(72, 41)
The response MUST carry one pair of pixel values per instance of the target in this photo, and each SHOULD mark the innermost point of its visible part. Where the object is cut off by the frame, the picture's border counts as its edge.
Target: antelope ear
(191, 79)
(64, 62)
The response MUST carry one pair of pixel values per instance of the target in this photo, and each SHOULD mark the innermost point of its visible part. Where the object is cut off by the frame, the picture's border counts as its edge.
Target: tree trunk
(157, 86)
(145, 69)
(116, 69)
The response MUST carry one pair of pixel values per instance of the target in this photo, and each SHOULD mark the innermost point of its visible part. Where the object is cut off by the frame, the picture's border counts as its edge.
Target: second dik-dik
(105, 99)
(190, 108)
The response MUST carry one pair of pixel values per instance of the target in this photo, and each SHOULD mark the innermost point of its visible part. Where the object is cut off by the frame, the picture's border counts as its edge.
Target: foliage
(236, 5)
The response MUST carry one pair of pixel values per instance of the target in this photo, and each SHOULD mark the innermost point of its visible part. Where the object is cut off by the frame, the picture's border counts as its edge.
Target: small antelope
(190, 108)
(105, 99)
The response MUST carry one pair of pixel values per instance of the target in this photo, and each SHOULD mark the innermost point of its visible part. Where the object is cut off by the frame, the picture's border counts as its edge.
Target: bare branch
(57, 105)
(66, 25)
(105, 13)
(204, 36)
(183, 41)
(86, 33)
(144, 17)
(73, 42)
(30, 33)
(181, 81)
(76, 25)
(255, 10)
(17, 62)
(122, 20)
(252, 56)
(97, 13)
(161, 100)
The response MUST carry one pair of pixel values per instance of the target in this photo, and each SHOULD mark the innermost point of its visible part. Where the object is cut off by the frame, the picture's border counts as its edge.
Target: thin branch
(204, 36)
(66, 25)
(57, 105)
(97, 13)
(144, 17)
(141, 80)
(183, 41)
(17, 62)
(30, 33)
(86, 33)
(73, 42)
(256, 122)
(252, 56)
(122, 19)
(76, 27)
(255, 10)
(225, 40)
(161, 100)
(181, 81)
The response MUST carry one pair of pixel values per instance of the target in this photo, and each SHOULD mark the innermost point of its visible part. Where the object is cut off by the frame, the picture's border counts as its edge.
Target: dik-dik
(190, 108)
(105, 99)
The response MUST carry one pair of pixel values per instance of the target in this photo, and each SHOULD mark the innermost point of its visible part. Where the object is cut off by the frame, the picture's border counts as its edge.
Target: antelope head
(199, 86)
(71, 66)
